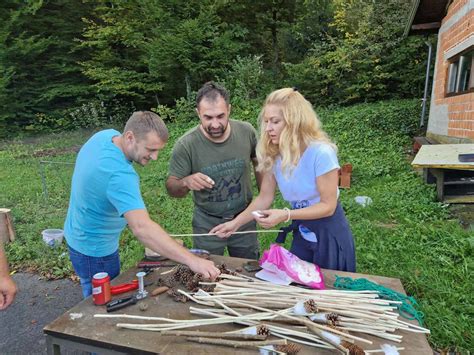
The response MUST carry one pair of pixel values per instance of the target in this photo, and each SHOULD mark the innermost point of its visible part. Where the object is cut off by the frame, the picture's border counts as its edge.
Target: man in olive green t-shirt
(214, 160)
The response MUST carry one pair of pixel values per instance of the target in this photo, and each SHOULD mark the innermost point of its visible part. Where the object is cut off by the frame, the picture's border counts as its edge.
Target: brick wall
(458, 110)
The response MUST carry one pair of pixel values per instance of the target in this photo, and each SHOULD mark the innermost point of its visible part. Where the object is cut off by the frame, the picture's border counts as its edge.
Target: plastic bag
(287, 267)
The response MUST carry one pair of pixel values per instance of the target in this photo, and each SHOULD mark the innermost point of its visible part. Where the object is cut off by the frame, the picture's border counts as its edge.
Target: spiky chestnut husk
(208, 288)
(263, 330)
(310, 306)
(183, 274)
(178, 297)
(224, 270)
(353, 348)
(193, 284)
(333, 318)
(167, 281)
(290, 348)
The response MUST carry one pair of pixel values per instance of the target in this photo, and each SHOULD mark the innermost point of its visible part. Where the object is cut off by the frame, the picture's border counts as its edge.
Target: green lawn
(404, 233)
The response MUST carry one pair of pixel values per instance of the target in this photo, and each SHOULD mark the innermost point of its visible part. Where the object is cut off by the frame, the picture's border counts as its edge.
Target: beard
(216, 133)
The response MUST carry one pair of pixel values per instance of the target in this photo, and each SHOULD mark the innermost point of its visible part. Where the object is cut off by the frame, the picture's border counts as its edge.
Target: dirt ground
(38, 303)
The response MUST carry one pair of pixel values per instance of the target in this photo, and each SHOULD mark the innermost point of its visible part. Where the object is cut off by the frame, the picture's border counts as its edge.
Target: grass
(404, 233)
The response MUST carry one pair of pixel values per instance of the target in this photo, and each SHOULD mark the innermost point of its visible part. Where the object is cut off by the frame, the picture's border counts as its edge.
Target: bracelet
(289, 214)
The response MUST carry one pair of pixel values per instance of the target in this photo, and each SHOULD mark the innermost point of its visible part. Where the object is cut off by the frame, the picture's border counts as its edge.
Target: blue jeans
(87, 266)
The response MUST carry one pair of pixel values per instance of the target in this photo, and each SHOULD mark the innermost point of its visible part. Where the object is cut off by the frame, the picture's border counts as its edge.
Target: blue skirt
(334, 248)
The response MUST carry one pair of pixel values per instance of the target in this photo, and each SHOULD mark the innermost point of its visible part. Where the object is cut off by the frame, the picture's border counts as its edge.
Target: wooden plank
(460, 182)
(103, 332)
(458, 199)
(426, 26)
(443, 156)
(439, 174)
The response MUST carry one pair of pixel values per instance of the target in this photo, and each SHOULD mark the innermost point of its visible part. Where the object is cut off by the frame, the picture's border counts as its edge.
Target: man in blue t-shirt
(105, 197)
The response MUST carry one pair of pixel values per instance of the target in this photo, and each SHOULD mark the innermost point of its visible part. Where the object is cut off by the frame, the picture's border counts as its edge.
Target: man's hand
(8, 291)
(197, 182)
(271, 218)
(204, 267)
(224, 230)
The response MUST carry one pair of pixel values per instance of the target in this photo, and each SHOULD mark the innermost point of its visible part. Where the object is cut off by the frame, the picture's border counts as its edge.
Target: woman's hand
(271, 218)
(225, 230)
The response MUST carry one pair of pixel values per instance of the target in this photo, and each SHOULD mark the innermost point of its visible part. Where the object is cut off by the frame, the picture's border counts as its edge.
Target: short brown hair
(212, 91)
(143, 122)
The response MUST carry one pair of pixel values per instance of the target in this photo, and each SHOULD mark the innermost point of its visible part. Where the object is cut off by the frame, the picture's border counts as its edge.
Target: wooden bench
(440, 164)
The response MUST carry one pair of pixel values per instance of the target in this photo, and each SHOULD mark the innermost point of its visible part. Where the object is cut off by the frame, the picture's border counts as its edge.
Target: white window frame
(459, 66)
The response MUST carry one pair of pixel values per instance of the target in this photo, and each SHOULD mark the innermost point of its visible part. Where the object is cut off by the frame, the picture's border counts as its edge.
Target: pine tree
(39, 60)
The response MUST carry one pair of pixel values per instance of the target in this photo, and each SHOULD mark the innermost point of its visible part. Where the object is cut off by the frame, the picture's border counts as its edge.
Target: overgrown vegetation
(404, 233)
(61, 56)
(76, 65)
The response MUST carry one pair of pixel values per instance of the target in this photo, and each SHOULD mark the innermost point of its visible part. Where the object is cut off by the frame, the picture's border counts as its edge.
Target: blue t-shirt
(104, 187)
(300, 188)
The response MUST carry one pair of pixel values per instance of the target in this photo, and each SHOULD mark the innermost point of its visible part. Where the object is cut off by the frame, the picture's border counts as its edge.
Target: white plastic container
(364, 201)
(53, 237)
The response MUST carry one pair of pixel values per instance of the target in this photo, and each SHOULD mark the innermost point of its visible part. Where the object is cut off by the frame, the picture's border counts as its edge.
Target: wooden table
(454, 179)
(102, 336)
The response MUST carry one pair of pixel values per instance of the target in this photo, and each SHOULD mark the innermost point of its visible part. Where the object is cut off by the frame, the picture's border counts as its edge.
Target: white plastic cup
(53, 237)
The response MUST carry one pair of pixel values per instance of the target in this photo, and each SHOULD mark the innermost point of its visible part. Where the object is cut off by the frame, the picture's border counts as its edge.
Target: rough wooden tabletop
(103, 332)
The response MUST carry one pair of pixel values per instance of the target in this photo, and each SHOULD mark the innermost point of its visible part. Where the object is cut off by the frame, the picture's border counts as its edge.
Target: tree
(38, 60)
(152, 51)
(364, 57)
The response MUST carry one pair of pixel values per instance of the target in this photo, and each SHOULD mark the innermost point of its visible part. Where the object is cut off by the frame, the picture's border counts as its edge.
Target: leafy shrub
(183, 111)
(93, 114)
(245, 82)
(90, 114)
(47, 123)
(97, 113)
(245, 78)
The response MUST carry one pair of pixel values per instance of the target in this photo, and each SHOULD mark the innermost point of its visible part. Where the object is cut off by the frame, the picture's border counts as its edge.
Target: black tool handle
(120, 303)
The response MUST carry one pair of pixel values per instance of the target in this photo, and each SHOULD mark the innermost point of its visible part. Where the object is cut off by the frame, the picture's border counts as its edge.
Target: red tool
(129, 286)
(118, 289)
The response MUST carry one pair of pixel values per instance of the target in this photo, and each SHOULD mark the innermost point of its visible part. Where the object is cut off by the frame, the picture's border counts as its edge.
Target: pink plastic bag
(287, 266)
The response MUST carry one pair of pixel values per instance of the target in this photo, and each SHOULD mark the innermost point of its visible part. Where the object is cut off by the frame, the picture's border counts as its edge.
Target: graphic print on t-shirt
(300, 204)
(227, 176)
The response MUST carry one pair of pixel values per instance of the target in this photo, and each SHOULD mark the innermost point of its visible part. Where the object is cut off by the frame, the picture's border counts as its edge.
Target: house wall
(451, 119)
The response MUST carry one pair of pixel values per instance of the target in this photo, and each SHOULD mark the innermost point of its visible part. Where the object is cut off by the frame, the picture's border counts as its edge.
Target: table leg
(51, 347)
(428, 177)
(439, 174)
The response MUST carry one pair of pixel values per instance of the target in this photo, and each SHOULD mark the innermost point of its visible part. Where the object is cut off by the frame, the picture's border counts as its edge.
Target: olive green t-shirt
(227, 163)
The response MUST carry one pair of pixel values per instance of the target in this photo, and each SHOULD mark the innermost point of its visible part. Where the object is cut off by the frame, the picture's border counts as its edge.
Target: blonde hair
(302, 127)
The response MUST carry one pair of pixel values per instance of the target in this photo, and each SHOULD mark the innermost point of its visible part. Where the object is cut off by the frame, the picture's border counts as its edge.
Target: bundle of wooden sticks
(316, 318)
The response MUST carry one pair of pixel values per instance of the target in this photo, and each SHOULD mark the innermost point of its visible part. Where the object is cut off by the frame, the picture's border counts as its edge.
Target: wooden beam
(426, 26)
(7, 232)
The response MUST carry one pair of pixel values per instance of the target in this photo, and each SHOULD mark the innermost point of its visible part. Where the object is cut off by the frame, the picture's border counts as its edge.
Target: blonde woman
(296, 155)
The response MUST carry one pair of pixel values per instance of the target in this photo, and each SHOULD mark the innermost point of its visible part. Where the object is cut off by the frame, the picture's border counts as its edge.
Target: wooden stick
(307, 322)
(380, 350)
(336, 342)
(280, 332)
(211, 234)
(238, 344)
(159, 290)
(198, 333)
(7, 232)
(273, 351)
